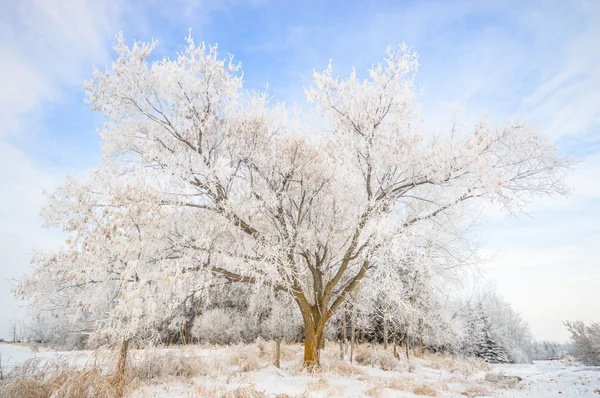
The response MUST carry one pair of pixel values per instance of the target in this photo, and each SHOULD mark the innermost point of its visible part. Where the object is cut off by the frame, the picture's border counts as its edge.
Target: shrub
(378, 358)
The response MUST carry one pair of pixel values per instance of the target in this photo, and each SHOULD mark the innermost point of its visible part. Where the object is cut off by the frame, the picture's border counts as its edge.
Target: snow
(542, 379)
(15, 353)
(545, 379)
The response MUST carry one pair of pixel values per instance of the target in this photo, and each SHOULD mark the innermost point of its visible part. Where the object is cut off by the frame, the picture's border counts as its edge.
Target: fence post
(121, 367)
(278, 353)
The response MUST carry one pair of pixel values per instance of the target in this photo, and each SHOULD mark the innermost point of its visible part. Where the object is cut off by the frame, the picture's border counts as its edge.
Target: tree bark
(312, 339)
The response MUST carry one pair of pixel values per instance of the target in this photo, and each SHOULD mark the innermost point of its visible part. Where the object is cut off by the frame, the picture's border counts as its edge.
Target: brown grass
(375, 357)
(374, 392)
(341, 368)
(399, 383)
(425, 390)
(475, 391)
(36, 378)
(156, 366)
(248, 358)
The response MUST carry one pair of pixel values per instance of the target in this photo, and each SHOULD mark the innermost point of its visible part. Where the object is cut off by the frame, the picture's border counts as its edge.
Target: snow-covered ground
(246, 369)
(545, 379)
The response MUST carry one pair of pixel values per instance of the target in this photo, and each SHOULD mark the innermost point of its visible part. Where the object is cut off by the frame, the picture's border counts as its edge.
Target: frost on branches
(199, 181)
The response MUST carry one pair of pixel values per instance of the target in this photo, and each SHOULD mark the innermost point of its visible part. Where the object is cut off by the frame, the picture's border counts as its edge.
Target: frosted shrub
(219, 326)
(378, 358)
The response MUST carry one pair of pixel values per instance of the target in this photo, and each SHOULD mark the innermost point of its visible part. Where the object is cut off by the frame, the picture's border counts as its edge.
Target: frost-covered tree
(489, 348)
(586, 341)
(487, 317)
(199, 181)
(545, 350)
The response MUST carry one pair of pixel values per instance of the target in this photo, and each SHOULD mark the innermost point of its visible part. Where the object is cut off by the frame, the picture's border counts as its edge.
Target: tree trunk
(312, 341)
(352, 324)
(120, 376)
(421, 345)
(361, 336)
(278, 353)
(385, 331)
(344, 331)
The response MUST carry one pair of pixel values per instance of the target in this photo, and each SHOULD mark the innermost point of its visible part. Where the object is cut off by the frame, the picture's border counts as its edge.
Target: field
(248, 371)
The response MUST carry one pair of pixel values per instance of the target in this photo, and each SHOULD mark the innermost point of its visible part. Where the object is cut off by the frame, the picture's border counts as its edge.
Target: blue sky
(536, 59)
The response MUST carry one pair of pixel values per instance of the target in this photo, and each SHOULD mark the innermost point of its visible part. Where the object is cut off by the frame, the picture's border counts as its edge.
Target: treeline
(483, 325)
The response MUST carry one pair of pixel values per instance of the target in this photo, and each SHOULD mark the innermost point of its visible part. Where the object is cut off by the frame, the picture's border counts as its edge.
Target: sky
(538, 60)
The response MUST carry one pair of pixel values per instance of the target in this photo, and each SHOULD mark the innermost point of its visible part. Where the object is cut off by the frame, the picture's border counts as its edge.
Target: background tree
(586, 341)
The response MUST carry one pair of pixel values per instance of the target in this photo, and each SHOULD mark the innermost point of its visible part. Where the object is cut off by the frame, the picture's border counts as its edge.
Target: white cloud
(23, 87)
(45, 47)
(20, 227)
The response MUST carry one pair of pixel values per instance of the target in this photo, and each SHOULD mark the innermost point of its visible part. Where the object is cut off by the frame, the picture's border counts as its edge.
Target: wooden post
(344, 331)
(120, 376)
(278, 353)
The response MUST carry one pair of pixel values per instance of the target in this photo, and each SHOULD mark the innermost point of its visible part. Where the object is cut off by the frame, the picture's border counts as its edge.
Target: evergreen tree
(488, 348)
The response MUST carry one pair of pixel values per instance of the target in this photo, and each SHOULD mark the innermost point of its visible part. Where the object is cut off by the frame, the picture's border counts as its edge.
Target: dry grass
(244, 392)
(155, 366)
(36, 378)
(341, 368)
(222, 392)
(399, 383)
(454, 364)
(319, 384)
(425, 390)
(375, 357)
(374, 392)
(247, 358)
(475, 390)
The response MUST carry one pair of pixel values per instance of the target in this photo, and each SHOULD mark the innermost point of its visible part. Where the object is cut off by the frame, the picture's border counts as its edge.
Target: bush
(373, 357)
(218, 326)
